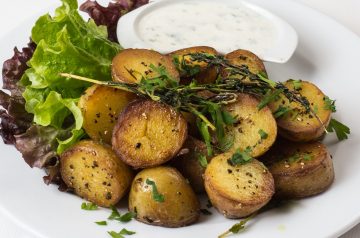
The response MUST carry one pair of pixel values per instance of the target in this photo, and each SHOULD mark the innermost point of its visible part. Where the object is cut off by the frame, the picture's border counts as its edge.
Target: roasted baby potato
(131, 65)
(148, 133)
(190, 69)
(95, 173)
(238, 190)
(299, 169)
(298, 125)
(254, 129)
(161, 196)
(247, 58)
(100, 107)
(192, 164)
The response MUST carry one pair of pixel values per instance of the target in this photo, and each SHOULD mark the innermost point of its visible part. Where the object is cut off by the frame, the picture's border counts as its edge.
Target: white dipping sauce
(221, 26)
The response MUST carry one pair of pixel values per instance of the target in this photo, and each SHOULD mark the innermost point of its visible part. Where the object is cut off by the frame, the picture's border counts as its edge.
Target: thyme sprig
(210, 116)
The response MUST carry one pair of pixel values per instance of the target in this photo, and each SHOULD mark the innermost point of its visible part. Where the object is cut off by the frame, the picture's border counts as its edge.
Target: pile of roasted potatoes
(150, 151)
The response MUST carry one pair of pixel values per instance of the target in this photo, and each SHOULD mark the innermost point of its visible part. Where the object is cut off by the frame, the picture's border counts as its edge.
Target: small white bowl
(282, 49)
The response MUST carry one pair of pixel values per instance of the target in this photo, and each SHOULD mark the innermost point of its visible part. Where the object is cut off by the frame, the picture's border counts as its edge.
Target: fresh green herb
(89, 206)
(209, 113)
(115, 215)
(263, 134)
(101, 223)
(297, 84)
(341, 130)
(202, 160)
(155, 193)
(294, 158)
(269, 97)
(240, 157)
(127, 216)
(329, 104)
(281, 111)
(238, 227)
(205, 212)
(121, 233)
(227, 142)
(307, 157)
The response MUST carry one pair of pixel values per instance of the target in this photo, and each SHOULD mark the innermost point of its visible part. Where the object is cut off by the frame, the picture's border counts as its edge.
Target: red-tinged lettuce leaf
(14, 118)
(109, 16)
(14, 68)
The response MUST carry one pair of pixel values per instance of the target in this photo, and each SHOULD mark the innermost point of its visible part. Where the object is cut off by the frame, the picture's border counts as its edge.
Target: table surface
(345, 12)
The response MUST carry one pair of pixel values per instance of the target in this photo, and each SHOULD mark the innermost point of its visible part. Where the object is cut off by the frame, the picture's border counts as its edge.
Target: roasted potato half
(148, 133)
(161, 196)
(297, 124)
(254, 129)
(299, 169)
(190, 69)
(247, 58)
(131, 65)
(101, 107)
(95, 173)
(240, 190)
(193, 163)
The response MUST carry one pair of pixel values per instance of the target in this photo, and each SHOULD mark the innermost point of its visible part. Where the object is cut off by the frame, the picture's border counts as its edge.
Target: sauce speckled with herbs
(221, 26)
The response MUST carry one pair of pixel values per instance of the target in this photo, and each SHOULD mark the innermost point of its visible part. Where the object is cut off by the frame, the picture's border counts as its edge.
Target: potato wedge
(240, 190)
(244, 57)
(298, 125)
(101, 107)
(255, 129)
(179, 205)
(148, 133)
(131, 65)
(202, 73)
(192, 164)
(95, 173)
(299, 169)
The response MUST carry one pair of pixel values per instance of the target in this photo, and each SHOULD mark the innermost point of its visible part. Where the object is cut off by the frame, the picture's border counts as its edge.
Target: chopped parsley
(240, 157)
(237, 227)
(121, 233)
(307, 157)
(115, 215)
(297, 84)
(263, 134)
(202, 160)
(270, 96)
(341, 130)
(281, 111)
(329, 104)
(155, 194)
(101, 223)
(89, 206)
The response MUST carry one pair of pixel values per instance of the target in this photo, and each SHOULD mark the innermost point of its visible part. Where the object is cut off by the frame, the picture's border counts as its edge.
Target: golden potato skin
(148, 133)
(95, 173)
(180, 206)
(244, 57)
(100, 107)
(138, 62)
(238, 191)
(188, 164)
(206, 75)
(299, 169)
(250, 120)
(297, 125)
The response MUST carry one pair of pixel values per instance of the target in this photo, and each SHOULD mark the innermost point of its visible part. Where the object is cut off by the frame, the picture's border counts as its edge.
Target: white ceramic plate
(327, 55)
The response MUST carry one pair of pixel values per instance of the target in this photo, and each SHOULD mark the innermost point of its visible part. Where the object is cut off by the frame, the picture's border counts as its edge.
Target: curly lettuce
(65, 43)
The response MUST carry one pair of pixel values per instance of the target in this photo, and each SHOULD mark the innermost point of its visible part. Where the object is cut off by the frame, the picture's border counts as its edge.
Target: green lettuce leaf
(65, 44)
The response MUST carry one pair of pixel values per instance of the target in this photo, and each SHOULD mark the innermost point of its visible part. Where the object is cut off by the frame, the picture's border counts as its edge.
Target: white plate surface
(327, 55)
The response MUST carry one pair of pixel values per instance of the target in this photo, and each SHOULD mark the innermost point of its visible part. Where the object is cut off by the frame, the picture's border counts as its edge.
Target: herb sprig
(210, 116)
